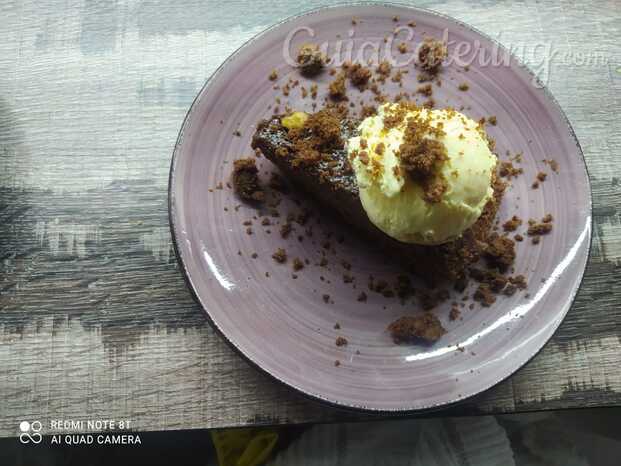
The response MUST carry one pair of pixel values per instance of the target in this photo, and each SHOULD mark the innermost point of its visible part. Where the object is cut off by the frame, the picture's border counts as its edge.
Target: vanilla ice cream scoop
(422, 199)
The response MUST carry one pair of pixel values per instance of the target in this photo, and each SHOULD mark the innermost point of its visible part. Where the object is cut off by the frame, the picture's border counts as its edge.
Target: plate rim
(172, 212)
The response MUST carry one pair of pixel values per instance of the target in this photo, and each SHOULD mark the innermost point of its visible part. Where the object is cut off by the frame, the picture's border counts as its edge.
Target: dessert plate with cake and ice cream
(375, 218)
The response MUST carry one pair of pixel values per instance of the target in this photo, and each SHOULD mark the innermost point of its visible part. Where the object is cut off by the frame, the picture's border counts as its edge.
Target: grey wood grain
(95, 319)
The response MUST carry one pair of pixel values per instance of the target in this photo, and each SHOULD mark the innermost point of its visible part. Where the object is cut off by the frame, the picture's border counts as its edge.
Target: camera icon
(30, 432)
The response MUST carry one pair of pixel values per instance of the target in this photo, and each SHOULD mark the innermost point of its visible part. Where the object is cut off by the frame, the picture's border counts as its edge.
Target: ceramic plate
(283, 325)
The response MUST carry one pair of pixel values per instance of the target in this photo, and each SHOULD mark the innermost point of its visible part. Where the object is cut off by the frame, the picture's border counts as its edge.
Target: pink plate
(283, 325)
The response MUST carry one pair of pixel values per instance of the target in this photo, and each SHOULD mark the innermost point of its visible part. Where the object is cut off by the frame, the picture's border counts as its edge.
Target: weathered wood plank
(95, 319)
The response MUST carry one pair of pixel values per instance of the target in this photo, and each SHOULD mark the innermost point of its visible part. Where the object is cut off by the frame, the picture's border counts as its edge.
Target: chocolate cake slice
(313, 157)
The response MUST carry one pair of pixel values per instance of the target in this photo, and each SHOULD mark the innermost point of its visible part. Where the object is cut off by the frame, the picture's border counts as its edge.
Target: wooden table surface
(95, 319)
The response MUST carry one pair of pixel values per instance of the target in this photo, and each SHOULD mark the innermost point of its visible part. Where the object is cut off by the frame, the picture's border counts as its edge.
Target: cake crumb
(431, 298)
(280, 256)
(553, 164)
(359, 75)
(285, 229)
(424, 327)
(492, 120)
(494, 281)
(367, 111)
(273, 76)
(246, 180)
(298, 264)
(463, 87)
(542, 228)
(341, 341)
(420, 155)
(508, 170)
(519, 281)
(431, 54)
(509, 290)
(512, 224)
(484, 295)
(383, 69)
(326, 298)
(311, 59)
(313, 91)
(337, 363)
(336, 89)
(425, 90)
(500, 251)
(397, 77)
(337, 326)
